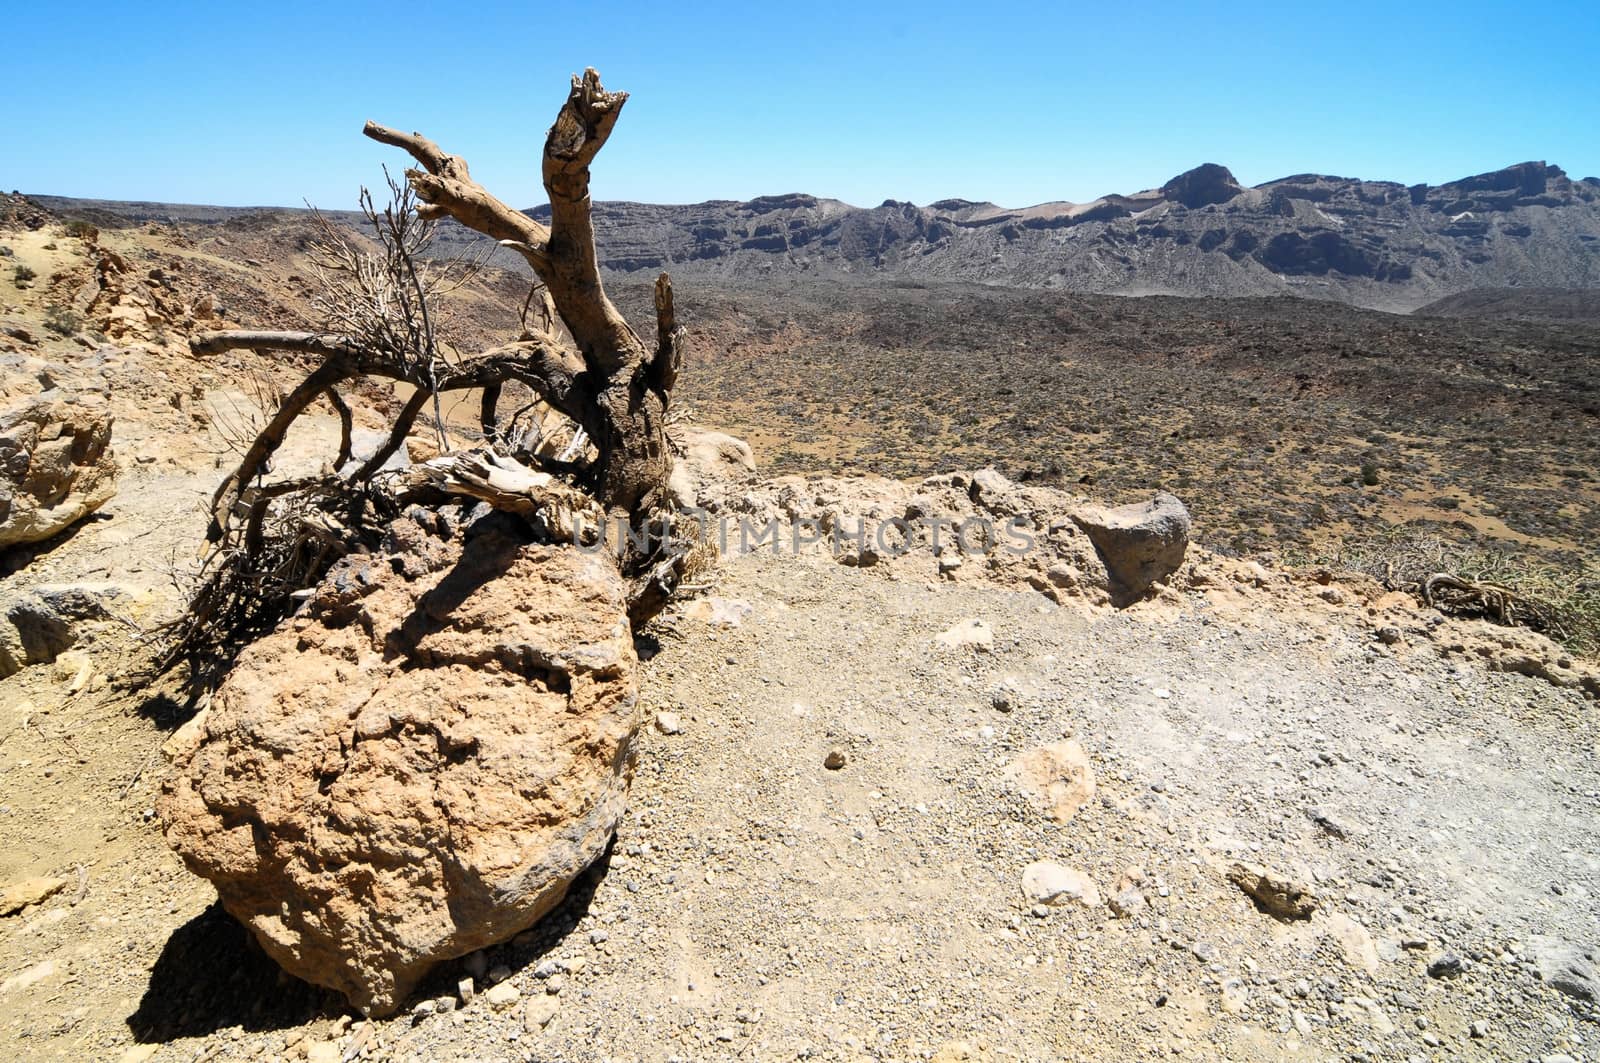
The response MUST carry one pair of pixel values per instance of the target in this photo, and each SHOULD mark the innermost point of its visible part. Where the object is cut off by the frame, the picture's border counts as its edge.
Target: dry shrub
(1465, 579)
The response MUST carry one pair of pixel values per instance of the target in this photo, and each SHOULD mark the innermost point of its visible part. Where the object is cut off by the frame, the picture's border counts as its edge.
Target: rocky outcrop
(56, 465)
(1567, 968)
(419, 763)
(1139, 544)
(1372, 243)
(706, 462)
(1202, 186)
(41, 624)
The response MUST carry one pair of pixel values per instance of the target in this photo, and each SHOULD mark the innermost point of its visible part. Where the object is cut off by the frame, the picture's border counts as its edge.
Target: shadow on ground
(211, 975)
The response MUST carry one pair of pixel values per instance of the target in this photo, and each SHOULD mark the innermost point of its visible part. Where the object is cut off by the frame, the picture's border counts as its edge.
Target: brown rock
(56, 465)
(15, 896)
(415, 768)
(1276, 894)
(1057, 778)
(1139, 544)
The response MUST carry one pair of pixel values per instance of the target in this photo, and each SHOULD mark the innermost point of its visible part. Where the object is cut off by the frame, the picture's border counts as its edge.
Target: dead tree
(576, 353)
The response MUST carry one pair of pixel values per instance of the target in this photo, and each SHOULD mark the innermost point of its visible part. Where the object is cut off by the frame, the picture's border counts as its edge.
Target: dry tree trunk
(623, 396)
(599, 374)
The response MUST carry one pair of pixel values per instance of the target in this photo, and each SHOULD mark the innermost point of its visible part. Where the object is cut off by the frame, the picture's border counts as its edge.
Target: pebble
(465, 990)
(502, 995)
(835, 759)
(668, 723)
(538, 1013)
(1046, 882)
(1447, 965)
(1479, 1029)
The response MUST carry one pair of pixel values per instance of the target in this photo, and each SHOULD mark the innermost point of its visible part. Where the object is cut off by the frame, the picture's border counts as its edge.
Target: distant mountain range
(1370, 243)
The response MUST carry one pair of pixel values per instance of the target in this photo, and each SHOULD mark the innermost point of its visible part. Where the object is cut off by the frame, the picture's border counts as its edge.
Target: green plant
(22, 274)
(1369, 473)
(62, 320)
(82, 230)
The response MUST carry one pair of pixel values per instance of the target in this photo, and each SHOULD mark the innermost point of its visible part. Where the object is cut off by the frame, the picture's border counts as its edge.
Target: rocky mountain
(1371, 243)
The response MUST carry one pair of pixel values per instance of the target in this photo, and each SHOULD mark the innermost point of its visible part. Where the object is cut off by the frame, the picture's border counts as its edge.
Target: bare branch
(254, 339)
(445, 185)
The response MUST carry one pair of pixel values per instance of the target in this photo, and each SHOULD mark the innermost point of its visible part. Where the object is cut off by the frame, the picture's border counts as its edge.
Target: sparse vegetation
(1492, 582)
(62, 320)
(23, 274)
(82, 230)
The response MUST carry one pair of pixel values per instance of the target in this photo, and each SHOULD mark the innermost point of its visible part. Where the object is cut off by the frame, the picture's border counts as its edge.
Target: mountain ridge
(1379, 244)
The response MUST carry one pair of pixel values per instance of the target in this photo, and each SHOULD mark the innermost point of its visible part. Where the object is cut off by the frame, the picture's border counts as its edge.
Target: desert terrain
(834, 847)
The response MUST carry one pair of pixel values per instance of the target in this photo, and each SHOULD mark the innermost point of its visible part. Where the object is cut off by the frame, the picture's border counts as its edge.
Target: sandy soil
(760, 905)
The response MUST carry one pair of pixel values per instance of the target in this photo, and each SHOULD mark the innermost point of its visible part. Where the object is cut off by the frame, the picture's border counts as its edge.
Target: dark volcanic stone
(1205, 184)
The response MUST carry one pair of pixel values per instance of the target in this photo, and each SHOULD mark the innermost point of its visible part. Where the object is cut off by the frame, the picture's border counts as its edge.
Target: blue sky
(263, 104)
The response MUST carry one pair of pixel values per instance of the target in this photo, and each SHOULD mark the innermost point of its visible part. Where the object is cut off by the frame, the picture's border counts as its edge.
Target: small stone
(726, 1034)
(547, 969)
(1234, 996)
(972, 632)
(1128, 903)
(323, 1052)
(835, 759)
(502, 995)
(1047, 882)
(668, 723)
(1388, 635)
(599, 937)
(1001, 701)
(1274, 893)
(1057, 779)
(465, 990)
(1479, 1029)
(539, 1011)
(1447, 965)
(1203, 951)
(15, 896)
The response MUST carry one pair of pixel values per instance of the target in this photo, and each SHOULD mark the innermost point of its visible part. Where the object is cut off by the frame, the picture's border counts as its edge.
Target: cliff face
(1371, 243)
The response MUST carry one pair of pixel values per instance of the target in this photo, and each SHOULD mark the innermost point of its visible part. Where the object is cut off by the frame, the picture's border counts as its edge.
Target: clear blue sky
(249, 104)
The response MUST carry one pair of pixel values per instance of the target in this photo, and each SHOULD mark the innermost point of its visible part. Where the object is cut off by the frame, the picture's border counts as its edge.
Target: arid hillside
(1296, 428)
(1365, 242)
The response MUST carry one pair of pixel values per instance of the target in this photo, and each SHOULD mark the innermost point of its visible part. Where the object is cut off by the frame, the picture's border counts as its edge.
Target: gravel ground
(758, 904)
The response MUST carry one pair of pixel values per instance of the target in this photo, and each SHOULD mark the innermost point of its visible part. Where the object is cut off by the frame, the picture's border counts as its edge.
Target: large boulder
(1139, 544)
(419, 763)
(56, 465)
